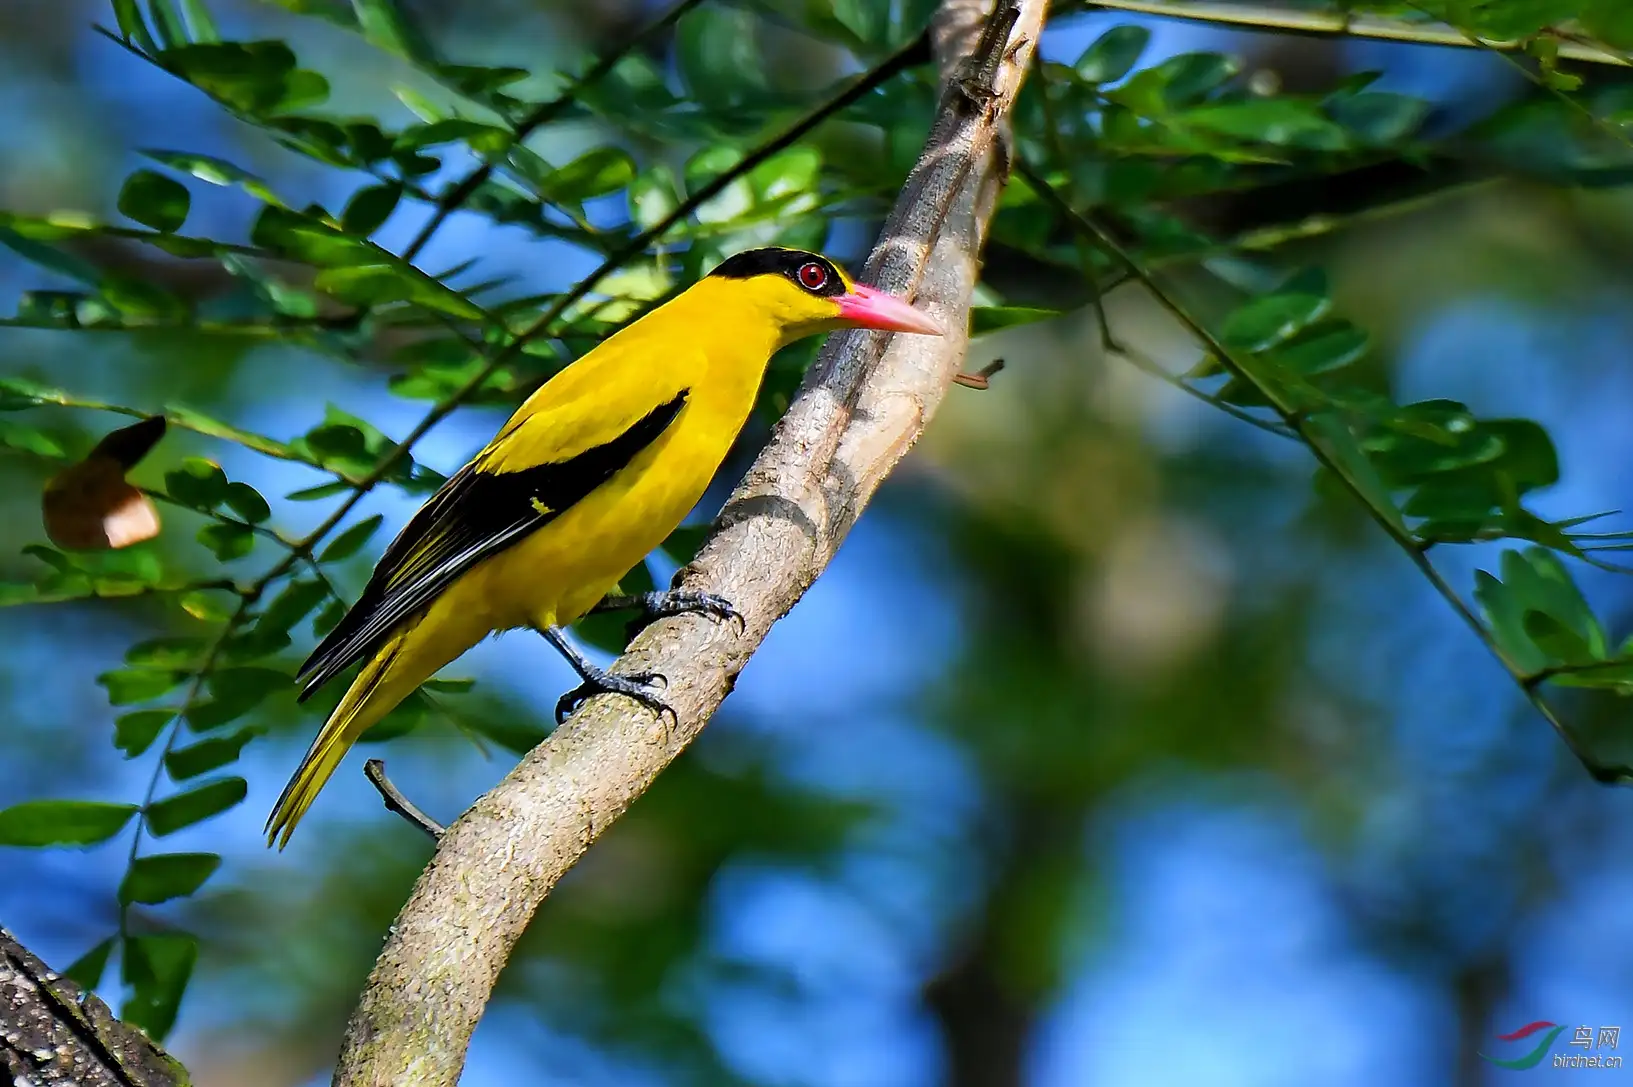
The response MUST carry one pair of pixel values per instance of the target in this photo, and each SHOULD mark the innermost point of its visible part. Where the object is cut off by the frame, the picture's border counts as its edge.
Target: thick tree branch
(864, 404)
(53, 1034)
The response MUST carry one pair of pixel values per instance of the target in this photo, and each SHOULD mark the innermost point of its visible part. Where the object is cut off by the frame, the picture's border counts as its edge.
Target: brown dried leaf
(91, 506)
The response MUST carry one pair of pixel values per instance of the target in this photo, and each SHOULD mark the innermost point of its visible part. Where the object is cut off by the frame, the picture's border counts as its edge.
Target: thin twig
(982, 378)
(375, 771)
(1588, 668)
(174, 729)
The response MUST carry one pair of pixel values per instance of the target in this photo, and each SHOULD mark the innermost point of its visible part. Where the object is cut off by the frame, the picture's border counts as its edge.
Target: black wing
(473, 517)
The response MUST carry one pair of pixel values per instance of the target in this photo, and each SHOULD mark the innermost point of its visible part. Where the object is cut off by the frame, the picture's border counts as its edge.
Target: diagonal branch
(863, 405)
(1299, 423)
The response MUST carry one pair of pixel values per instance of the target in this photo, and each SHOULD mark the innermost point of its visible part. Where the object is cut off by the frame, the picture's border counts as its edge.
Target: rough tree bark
(54, 1034)
(863, 405)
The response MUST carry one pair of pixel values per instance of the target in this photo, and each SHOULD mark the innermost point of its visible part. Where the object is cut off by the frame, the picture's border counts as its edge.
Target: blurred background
(1106, 753)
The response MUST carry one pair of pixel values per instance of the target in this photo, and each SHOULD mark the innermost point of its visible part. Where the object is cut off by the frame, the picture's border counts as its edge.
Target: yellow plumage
(588, 476)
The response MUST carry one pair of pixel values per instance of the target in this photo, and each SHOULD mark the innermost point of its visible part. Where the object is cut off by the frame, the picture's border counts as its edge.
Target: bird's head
(806, 293)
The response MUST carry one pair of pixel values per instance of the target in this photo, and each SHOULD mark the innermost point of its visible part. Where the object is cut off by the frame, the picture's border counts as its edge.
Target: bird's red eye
(813, 276)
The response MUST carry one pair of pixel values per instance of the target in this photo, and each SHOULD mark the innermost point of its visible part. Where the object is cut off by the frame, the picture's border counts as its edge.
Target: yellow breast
(557, 574)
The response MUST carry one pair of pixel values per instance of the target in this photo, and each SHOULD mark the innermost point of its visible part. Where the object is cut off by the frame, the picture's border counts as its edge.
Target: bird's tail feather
(373, 694)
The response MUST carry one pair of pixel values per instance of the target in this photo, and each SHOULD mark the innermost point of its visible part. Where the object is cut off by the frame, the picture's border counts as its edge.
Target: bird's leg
(641, 686)
(657, 605)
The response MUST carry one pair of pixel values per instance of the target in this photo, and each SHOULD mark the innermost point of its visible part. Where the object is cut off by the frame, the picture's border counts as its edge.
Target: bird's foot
(657, 605)
(643, 687)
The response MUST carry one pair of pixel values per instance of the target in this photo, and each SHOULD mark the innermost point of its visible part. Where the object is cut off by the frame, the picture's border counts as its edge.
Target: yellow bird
(590, 475)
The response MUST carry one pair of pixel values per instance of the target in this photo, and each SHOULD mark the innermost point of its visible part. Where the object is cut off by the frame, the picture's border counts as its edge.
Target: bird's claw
(683, 601)
(641, 686)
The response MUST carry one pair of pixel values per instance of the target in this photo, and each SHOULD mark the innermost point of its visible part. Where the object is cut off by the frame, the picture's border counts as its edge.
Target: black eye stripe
(788, 263)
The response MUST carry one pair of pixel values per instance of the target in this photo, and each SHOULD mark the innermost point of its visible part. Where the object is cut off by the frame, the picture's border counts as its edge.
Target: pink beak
(865, 307)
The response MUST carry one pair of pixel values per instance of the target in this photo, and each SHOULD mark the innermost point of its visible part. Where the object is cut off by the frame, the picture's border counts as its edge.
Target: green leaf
(197, 804)
(385, 24)
(248, 76)
(302, 90)
(329, 618)
(868, 20)
(254, 644)
(51, 259)
(370, 207)
(652, 196)
(62, 822)
(1609, 21)
(347, 544)
(215, 428)
(156, 968)
(247, 502)
(478, 80)
(367, 284)
(200, 21)
(133, 27)
(228, 540)
(322, 490)
(249, 682)
(717, 52)
(206, 755)
(1561, 644)
(207, 605)
(595, 173)
(198, 484)
(209, 713)
(26, 438)
(87, 970)
(177, 652)
(1431, 438)
(163, 876)
(1320, 348)
(1113, 54)
(134, 733)
(1188, 77)
(1330, 433)
(1379, 119)
(985, 319)
(140, 298)
(128, 686)
(215, 171)
(1280, 121)
(1528, 459)
(338, 442)
(304, 238)
(386, 282)
(297, 600)
(1271, 319)
(1537, 614)
(484, 139)
(1502, 20)
(167, 23)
